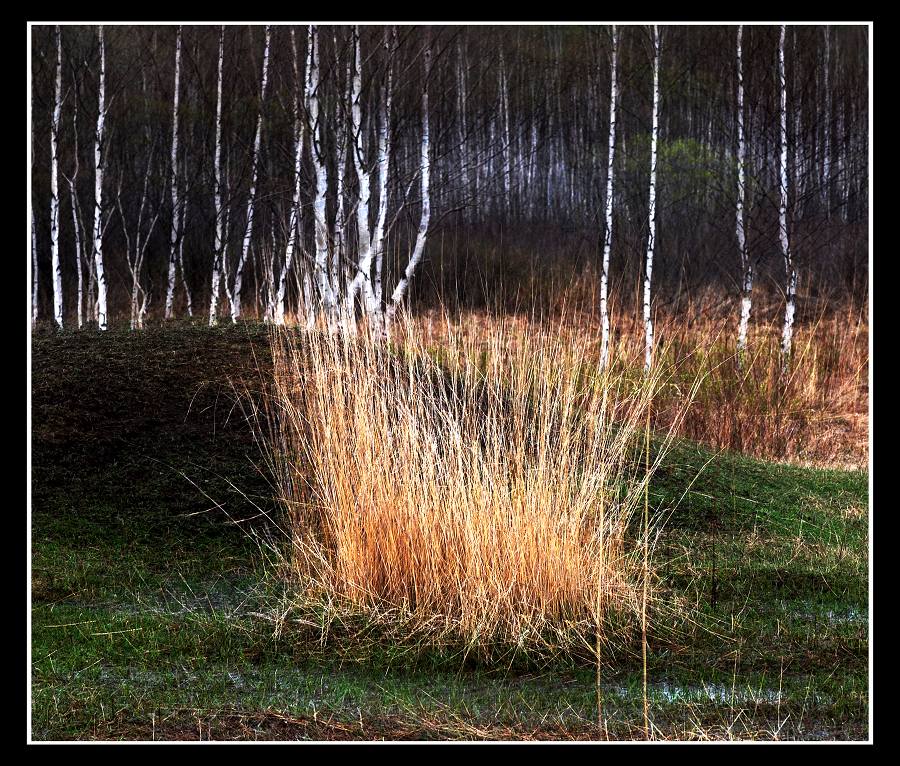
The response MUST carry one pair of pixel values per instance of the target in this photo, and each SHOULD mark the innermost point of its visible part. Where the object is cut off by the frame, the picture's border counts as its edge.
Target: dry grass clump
(480, 493)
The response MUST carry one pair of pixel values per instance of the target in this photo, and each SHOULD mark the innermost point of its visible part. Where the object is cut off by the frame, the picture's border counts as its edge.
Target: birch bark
(746, 266)
(790, 272)
(135, 249)
(76, 218)
(390, 43)
(826, 159)
(608, 233)
(173, 236)
(99, 161)
(316, 133)
(371, 246)
(217, 191)
(34, 258)
(364, 182)
(651, 238)
(184, 284)
(54, 189)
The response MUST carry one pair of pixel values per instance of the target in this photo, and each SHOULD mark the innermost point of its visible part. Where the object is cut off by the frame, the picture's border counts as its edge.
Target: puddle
(849, 615)
(832, 616)
(720, 693)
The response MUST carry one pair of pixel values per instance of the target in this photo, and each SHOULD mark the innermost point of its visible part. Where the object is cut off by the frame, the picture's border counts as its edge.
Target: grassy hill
(149, 585)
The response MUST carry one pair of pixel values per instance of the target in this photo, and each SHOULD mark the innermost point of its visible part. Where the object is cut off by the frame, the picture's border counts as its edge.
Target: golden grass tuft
(479, 490)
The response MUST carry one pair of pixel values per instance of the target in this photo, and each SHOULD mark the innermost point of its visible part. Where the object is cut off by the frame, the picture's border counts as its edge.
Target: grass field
(152, 598)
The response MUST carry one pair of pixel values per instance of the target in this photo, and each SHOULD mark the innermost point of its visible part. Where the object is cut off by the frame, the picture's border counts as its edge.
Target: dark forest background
(519, 129)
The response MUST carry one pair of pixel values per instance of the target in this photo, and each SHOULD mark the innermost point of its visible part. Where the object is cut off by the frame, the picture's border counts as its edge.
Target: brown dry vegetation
(237, 726)
(817, 413)
(475, 492)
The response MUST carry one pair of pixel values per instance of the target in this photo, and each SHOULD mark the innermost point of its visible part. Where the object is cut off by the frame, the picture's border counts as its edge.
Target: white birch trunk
(34, 258)
(135, 249)
(78, 251)
(371, 245)
(651, 238)
(184, 284)
(425, 171)
(384, 158)
(826, 159)
(799, 144)
(790, 272)
(217, 192)
(248, 231)
(740, 233)
(54, 189)
(316, 133)
(608, 233)
(295, 202)
(373, 295)
(98, 189)
(173, 236)
(363, 177)
(76, 218)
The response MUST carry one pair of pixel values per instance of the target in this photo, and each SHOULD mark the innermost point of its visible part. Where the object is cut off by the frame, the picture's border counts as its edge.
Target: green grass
(150, 603)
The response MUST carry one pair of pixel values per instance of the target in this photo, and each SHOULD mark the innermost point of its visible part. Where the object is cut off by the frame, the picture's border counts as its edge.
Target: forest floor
(147, 590)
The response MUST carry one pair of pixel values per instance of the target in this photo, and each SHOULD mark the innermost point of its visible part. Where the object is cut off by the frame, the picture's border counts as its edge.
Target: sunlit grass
(483, 492)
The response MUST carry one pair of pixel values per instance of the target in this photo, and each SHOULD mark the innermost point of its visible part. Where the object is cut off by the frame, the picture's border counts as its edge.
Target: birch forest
(340, 172)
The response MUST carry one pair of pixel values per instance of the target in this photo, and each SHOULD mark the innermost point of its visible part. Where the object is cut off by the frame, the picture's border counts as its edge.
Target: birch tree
(364, 184)
(790, 271)
(136, 246)
(425, 173)
(317, 135)
(826, 158)
(746, 266)
(373, 253)
(77, 227)
(248, 231)
(511, 138)
(651, 237)
(184, 284)
(366, 245)
(295, 202)
(608, 231)
(173, 236)
(34, 250)
(218, 245)
(54, 189)
(342, 135)
(97, 237)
